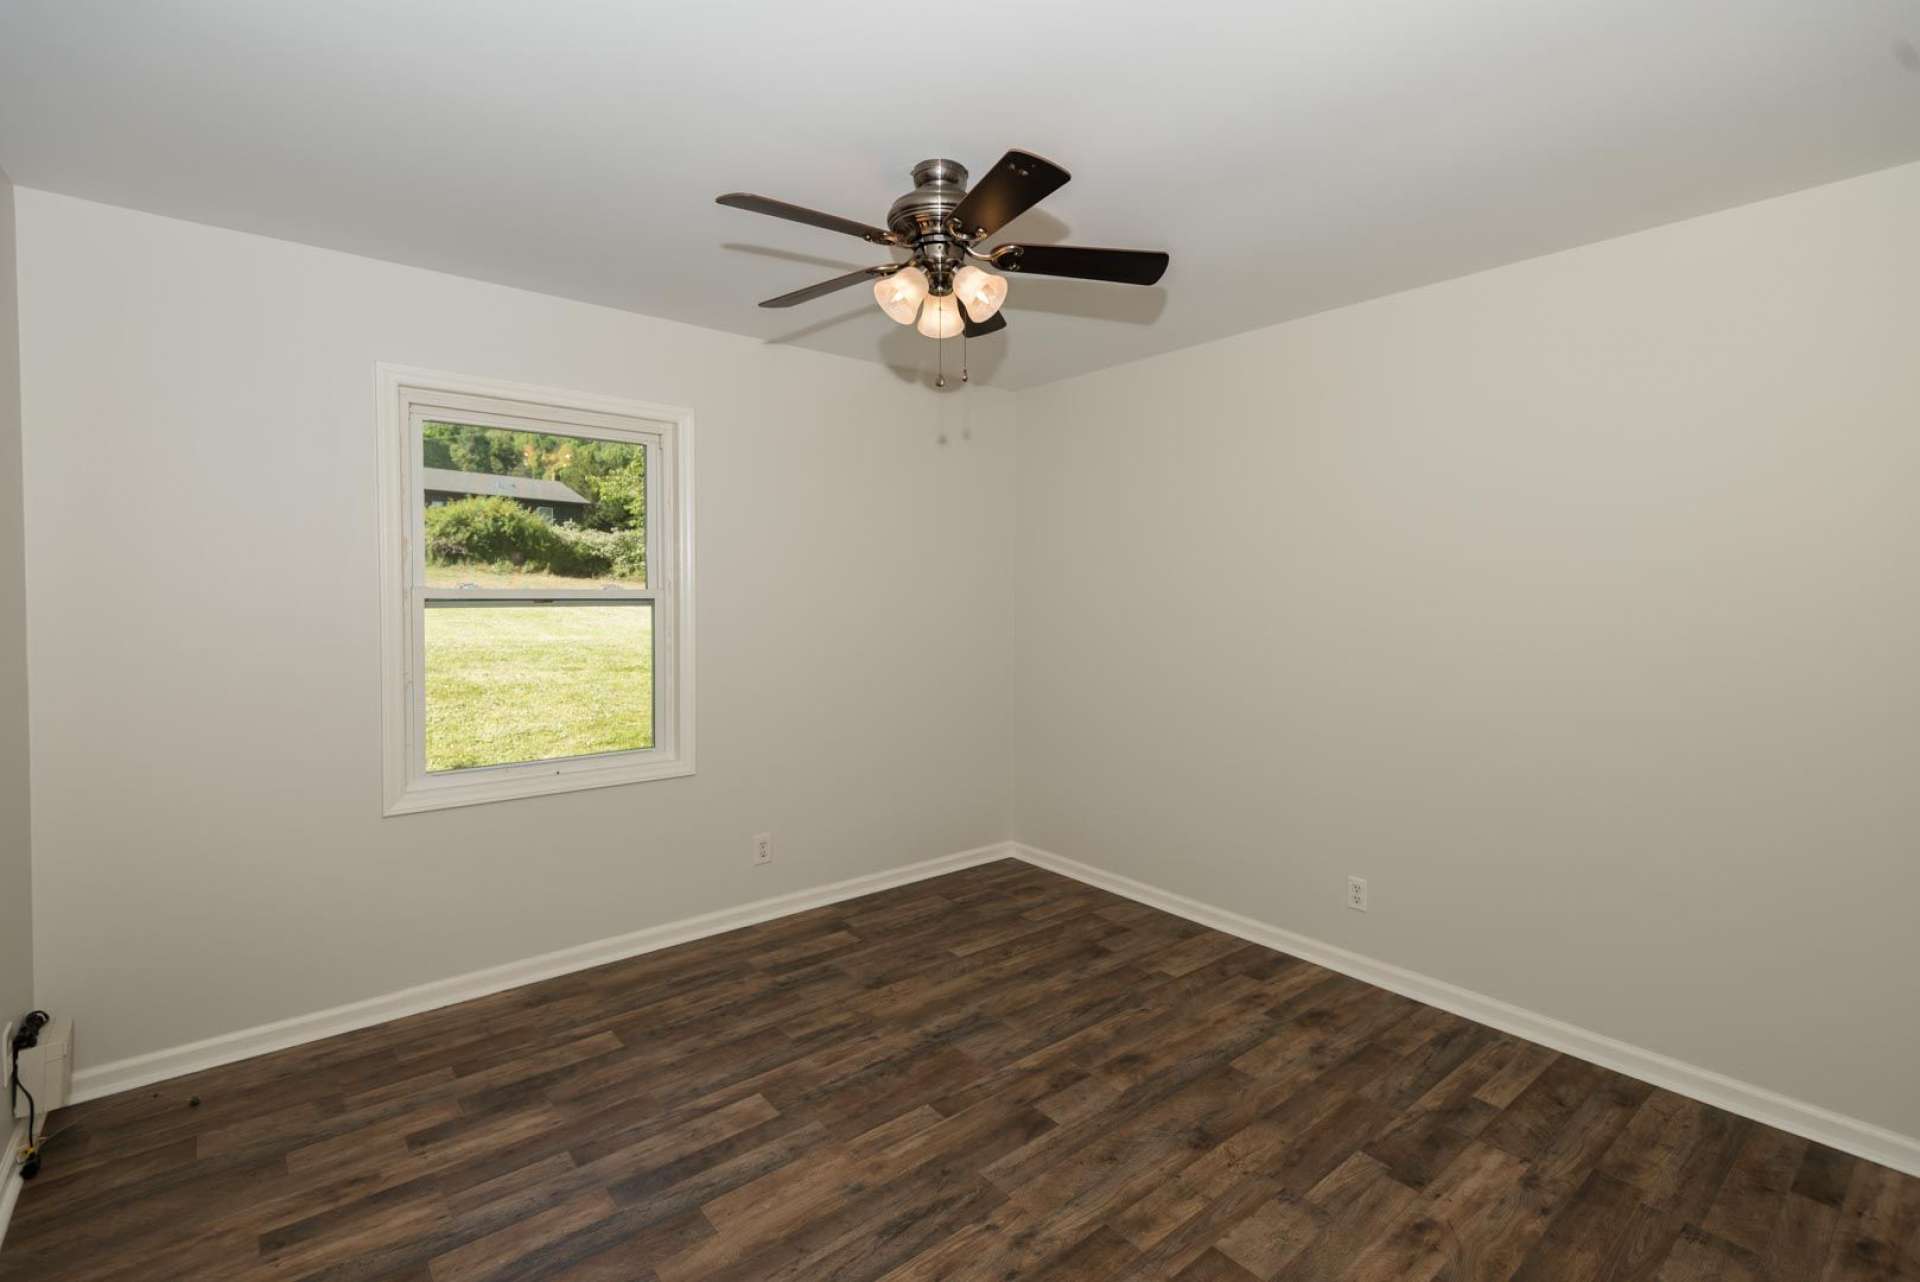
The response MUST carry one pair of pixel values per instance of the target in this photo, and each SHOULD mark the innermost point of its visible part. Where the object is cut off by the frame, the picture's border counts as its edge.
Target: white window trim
(402, 392)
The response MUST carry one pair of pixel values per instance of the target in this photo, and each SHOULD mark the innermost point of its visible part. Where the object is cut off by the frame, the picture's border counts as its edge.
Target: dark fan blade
(979, 329)
(1125, 266)
(800, 214)
(1019, 182)
(826, 287)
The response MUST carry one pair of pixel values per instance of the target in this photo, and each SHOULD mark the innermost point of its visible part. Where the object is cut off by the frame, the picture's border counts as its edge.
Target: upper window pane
(518, 509)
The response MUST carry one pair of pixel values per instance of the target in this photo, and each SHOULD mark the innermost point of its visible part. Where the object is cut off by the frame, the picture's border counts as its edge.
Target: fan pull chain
(940, 355)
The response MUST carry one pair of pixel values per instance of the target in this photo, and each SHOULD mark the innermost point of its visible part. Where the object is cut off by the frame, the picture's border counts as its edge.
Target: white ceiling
(1292, 155)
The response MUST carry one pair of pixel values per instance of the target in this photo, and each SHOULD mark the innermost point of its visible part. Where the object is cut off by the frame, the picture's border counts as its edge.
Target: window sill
(514, 782)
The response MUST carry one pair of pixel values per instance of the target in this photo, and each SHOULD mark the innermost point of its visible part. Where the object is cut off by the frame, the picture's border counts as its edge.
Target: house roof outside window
(527, 489)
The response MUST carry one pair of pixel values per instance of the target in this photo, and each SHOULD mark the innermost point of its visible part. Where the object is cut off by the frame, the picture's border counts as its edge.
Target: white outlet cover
(1357, 894)
(763, 848)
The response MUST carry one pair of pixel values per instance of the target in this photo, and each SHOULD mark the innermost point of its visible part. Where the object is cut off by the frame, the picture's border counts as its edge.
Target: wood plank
(1271, 1238)
(1754, 1194)
(1354, 1207)
(1802, 1239)
(1865, 1245)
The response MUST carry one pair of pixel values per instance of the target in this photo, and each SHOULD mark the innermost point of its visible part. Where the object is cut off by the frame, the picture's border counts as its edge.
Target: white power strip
(46, 1070)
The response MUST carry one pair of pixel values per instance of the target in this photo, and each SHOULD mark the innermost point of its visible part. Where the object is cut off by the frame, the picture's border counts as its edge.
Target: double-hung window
(538, 568)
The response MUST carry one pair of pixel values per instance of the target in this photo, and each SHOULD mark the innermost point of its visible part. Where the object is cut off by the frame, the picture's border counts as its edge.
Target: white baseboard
(1848, 1134)
(10, 1181)
(1851, 1135)
(177, 1061)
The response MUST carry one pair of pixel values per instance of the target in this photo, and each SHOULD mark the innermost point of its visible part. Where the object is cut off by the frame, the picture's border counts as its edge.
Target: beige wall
(204, 629)
(1575, 604)
(16, 876)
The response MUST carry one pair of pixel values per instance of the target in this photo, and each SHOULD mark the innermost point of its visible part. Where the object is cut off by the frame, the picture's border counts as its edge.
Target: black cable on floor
(28, 1036)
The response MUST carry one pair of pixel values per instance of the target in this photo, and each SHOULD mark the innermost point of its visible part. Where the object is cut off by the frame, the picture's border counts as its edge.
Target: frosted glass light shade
(940, 318)
(982, 292)
(899, 295)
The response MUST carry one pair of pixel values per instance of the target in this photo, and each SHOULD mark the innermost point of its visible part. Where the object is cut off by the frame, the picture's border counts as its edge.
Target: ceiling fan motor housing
(921, 221)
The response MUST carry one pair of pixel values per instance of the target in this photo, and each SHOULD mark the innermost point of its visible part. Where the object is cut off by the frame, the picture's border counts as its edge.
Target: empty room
(766, 642)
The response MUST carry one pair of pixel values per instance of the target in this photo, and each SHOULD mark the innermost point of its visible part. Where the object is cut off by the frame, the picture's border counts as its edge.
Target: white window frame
(406, 398)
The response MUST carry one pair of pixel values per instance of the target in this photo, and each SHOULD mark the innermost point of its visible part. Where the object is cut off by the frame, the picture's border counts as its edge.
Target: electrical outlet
(1357, 894)
(763, 848)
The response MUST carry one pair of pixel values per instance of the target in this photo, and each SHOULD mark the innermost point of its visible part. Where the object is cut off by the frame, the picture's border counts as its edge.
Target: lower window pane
(516, 683)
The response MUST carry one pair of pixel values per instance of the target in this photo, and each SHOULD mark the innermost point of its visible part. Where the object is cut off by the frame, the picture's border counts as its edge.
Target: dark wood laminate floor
(998, 1074)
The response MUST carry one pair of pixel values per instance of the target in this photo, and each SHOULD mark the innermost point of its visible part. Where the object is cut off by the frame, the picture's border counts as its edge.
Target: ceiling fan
(941, 224)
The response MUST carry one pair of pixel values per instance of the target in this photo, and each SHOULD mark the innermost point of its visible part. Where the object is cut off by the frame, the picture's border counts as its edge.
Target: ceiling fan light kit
(981, 292)
(901, 294)
(940, 317)
(942, 224)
